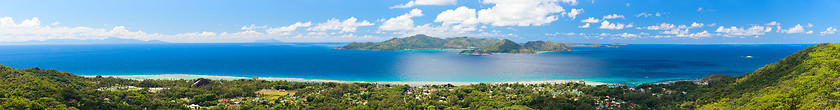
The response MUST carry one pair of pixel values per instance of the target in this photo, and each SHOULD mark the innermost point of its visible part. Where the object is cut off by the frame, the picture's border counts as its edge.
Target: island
(421, 41)
(475, 46)
(508, 46)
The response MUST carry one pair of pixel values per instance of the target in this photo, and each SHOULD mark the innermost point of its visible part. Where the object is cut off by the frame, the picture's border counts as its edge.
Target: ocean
(634, 63)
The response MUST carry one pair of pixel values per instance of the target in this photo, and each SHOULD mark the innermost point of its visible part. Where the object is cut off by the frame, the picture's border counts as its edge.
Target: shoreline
(410, 83)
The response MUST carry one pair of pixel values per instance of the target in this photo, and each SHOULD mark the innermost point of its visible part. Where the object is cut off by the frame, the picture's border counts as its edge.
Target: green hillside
(546, 46)
(806, 80)
(421, 41)
(506, 46)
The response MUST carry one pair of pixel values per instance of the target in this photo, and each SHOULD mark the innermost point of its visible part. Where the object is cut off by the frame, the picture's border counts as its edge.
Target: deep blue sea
(628, 63)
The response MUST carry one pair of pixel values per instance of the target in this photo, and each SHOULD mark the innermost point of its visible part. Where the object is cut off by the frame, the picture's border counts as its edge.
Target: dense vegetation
(421, 41)
(546, 46)
(805, 80)
(508, 46)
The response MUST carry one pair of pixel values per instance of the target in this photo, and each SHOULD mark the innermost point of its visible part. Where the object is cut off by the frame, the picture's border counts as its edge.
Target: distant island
(476, 46)
(590, 45)
(421, 41)
(508, 46)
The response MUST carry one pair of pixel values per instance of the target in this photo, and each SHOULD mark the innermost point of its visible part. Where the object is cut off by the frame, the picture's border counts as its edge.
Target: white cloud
(402, 22)
(667, 26)
(774, 23)
(696, 35)
(613, 16)
(663, 26)
(519, 12)
(829, 30)
(55, 23)
(32, 30)
(292, 27)
(573, 13)
(462, 18)
(696, 25)
(584, 26)
(607, 25)
(443, 31)
(736, 31)
(675, 31)
(795, 29)
(590, 20)
(426, 2)
(809, 25)
(570, 2)
(627, 35)
(685, 33)
(648, 14)
(349, 25)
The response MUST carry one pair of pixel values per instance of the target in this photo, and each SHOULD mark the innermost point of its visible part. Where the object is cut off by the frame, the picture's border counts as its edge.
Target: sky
(580, 21)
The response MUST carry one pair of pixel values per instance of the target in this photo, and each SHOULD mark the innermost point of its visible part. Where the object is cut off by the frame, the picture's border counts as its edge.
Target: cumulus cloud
(444, 31)
(32, 30)
(402, 22)
(573, 13)
(644, 14)
(462, 18)
(348, 25)
(570, 2)
(774, 23)
(829, 30)
(696, 35)
(426, 2)
(695, 24)
(590, 20)
(520, 12)
(686, 33)
(607, 25)
(663, 26)
(795, 29)
(584, 26)
(613, 16)
(626, 35)
(292, 27)
(667, 26)
(737, 31)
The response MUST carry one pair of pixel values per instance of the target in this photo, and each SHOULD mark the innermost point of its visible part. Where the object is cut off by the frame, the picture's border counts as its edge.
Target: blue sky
(626, 21)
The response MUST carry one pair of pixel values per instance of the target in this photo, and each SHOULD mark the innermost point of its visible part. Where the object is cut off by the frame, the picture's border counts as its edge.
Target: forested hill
(421, 41)
(807, 80)
(508, 46)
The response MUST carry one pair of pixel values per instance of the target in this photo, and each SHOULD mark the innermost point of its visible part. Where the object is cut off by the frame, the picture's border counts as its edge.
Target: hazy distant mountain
(421, 41)
(109, 40)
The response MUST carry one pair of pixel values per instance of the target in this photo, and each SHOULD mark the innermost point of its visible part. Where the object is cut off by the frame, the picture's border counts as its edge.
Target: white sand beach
(410, 83)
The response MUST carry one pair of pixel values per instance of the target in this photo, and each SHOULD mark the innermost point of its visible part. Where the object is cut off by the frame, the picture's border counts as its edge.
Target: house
(193, 106)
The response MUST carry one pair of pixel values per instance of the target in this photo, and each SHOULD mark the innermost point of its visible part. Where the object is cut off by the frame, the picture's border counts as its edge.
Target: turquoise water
(629, 63)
